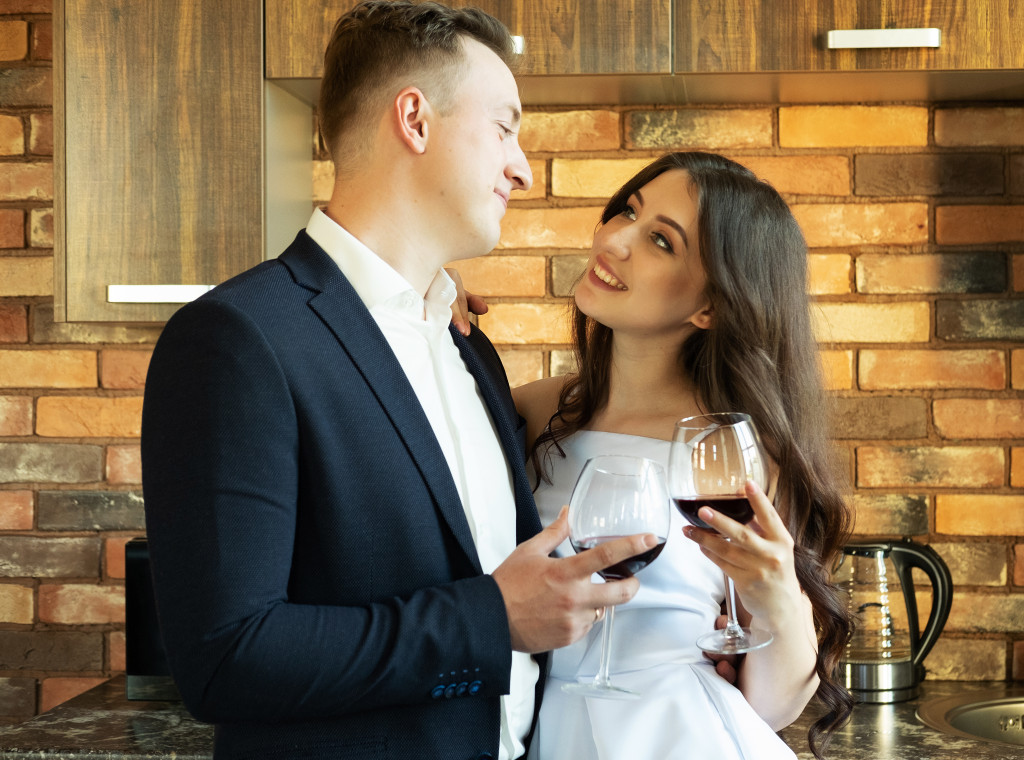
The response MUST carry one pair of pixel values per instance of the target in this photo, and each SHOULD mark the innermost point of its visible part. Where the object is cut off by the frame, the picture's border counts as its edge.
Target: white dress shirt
(416, 328)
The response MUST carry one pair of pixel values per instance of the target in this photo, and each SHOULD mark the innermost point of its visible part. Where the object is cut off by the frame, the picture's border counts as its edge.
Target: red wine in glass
(735, 507)
(627, 568)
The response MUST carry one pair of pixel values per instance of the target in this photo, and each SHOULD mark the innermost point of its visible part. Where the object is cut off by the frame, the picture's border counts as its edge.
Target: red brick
(116, 659)
(592, 177)
(113, 553)
(979, 126)
(852, 126)
(12, 228)
(42, 40)
(979, 418)
(837, 369)
(1018, 272)
(26, 182)
(1018, 661)
(1017, 467)
(15, 415)
(965, 514)
(690, 128)
(26, 276)
(47, 368)
(12, 136)
(526, 323)
(942, 273)
(894, 369)
(16, 604)
(904, 322)
(58, 690)
(13, 40)
(1017, 368)
(549, 227)
(948, 467)
(13, 323)
(802, 175)
(500, 276)
(827, 225)
(828, 274)
(1018, 566)
(80, 604)
(124, 368)
(16, 511)
(966, 225)
(124, 464)
(40, 140)
(522, 366)
(89, 416)
(567, 131)
(40, 228)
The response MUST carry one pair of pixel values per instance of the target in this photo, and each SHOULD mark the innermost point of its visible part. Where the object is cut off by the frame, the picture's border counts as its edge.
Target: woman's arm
(778, 680)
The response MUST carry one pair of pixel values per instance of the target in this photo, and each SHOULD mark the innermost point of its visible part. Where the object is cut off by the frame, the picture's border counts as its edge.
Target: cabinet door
(791, 35)
(158, 153)
(559, 36)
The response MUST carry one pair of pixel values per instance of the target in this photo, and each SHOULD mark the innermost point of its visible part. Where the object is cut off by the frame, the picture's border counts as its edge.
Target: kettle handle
(907, 555)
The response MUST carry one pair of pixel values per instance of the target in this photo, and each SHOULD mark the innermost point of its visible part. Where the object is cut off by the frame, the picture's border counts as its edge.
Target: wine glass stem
(732, 627)
(602, 678)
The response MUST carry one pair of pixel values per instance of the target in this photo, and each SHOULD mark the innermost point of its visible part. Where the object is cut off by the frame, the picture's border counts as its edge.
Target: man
(334, 477)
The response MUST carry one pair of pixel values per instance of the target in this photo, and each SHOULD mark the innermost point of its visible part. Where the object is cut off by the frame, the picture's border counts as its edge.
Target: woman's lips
(607, 277)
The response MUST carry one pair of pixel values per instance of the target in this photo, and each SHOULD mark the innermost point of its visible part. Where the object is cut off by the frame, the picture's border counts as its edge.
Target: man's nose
(518, 170)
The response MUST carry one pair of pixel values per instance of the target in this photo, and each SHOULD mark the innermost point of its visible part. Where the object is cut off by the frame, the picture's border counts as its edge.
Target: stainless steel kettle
(884, 657)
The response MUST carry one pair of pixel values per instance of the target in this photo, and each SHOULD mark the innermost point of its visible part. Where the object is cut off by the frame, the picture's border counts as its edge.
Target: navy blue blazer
(317, 585)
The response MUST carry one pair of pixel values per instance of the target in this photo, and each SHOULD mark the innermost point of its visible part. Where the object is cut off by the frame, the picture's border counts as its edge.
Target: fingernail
(706, 514)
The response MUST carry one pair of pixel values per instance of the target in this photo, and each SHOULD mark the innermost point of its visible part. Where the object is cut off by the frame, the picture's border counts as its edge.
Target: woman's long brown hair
(760, 357)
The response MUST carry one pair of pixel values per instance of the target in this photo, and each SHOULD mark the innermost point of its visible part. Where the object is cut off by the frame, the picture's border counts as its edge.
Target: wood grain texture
(161, 122)
(790, 35)
(560, 36)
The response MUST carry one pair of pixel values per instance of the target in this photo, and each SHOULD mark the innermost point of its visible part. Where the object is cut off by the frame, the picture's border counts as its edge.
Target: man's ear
(412, 114)
(704, 319)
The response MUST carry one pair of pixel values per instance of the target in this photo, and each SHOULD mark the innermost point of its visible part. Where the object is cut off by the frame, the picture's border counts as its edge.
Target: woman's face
(644, 274)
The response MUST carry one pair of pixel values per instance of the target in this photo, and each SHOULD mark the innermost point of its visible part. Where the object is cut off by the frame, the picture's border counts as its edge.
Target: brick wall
(915, 216)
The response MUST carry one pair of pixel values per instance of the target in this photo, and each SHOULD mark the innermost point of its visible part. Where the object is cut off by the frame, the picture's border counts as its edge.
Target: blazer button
(475, 687)
(461, 689)
(437, 692)
(449, 691)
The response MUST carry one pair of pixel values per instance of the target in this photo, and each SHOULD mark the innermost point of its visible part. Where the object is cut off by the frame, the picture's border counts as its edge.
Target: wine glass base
(606, 691)
(718, 643)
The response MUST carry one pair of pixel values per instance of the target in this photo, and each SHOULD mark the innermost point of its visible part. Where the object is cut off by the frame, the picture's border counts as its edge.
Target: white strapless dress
(686, 711)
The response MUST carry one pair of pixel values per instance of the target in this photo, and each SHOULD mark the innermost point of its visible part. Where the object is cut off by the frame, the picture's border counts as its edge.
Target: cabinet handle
(155, 293)
(884, 38)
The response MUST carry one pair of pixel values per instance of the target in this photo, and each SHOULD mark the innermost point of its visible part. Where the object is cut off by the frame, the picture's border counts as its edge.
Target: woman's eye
(661, 241)
(629, 212)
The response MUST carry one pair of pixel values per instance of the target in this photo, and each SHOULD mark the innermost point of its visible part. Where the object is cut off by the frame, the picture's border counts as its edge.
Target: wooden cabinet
(790, 35)
(158, 149)
(559, 36)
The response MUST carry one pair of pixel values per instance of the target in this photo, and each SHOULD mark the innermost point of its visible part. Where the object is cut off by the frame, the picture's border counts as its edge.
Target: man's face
(476, 159)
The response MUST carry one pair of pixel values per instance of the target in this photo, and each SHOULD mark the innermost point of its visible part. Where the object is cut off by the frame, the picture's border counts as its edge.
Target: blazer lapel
(493, 385)
(341, 310)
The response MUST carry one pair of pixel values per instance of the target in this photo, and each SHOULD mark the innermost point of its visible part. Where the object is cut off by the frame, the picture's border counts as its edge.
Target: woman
(694, 300)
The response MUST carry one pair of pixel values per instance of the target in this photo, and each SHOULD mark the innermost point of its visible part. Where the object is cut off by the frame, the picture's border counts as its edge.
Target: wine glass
(617, 496)
(711, 458)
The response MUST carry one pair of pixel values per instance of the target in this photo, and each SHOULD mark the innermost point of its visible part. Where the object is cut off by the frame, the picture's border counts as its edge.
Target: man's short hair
(379, 47)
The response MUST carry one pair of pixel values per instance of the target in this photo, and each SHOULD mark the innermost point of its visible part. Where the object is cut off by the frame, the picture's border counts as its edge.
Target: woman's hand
(465, 303)
(780, 679)
(758, 557)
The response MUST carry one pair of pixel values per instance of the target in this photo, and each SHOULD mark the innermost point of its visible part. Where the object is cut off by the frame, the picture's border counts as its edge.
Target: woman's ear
(704, 319)
(412, 113)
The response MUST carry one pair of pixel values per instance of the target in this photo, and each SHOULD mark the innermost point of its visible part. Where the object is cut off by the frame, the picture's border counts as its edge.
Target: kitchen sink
(995, 715)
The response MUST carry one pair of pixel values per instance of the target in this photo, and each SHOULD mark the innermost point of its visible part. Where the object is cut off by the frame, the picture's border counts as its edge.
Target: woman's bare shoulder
(538, 400)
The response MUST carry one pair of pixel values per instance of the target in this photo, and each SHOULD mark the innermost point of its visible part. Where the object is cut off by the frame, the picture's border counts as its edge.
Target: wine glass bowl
(710, 461)
(617, 496)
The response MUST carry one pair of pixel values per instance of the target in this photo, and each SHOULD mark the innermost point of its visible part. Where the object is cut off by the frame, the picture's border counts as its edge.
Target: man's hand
(465, 303)
(726, 665)
(551, 601)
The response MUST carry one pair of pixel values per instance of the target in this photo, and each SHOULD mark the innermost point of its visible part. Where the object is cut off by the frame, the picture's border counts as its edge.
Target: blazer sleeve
(221, 448)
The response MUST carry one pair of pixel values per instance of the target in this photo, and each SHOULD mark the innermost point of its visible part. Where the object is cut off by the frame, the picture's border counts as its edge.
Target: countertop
(103, 725)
